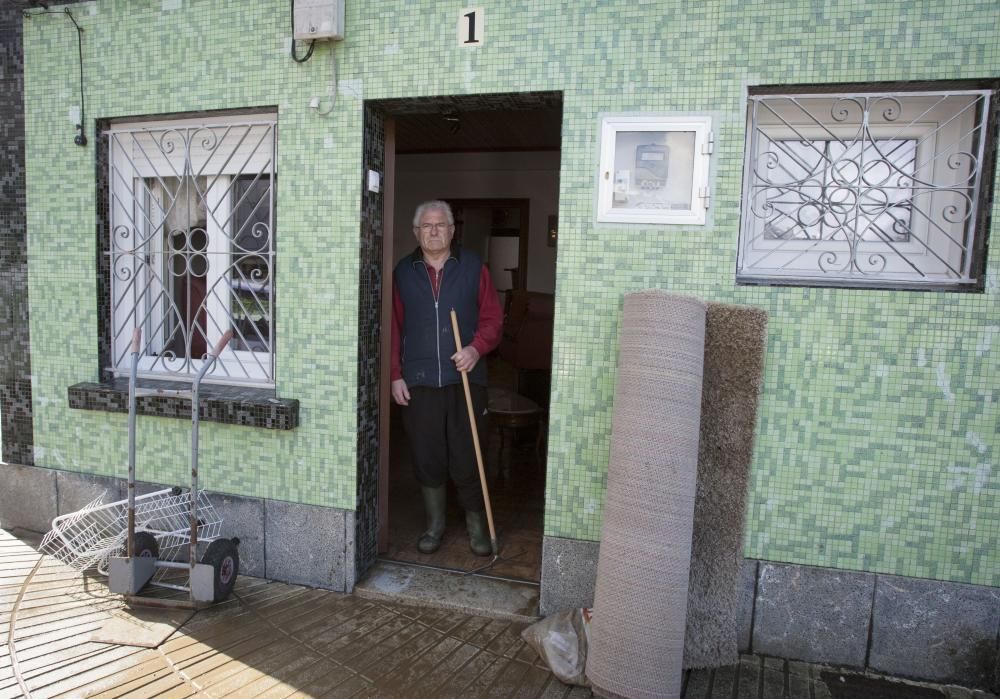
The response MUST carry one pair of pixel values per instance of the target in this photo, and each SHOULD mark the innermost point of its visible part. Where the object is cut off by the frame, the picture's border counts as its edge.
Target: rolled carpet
(637, 636)
(735, 347)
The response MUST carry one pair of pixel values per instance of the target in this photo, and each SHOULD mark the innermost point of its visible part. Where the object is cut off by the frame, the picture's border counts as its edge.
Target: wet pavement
(276, 640)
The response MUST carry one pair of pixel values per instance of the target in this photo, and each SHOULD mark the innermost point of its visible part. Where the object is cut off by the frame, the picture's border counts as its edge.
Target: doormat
(142, 627)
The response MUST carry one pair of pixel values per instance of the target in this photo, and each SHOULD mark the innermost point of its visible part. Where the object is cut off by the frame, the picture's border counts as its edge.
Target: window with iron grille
(192, 207)
(871, 189)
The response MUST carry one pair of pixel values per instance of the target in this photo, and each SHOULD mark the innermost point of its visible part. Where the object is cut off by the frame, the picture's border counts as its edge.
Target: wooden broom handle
(475, 433)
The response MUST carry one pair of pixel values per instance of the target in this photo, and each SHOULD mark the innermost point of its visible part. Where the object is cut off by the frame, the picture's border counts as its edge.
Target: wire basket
(91, 536)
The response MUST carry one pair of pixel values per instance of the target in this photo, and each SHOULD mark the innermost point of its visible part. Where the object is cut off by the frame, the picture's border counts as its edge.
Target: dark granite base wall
(15, 361)
(911, 627)
(272, 544)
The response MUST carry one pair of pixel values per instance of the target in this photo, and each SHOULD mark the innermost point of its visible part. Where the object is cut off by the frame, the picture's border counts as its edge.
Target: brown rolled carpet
(735, 347)
(637, 636)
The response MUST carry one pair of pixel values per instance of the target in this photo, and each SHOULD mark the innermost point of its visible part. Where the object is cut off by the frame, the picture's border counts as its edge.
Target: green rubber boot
(435, 506)
(479, 539)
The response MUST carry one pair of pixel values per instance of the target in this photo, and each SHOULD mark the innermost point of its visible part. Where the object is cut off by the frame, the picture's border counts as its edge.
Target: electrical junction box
(318, 19)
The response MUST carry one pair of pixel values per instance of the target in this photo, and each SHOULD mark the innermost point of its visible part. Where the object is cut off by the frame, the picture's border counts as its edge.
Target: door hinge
(708, 147)
(706, 195)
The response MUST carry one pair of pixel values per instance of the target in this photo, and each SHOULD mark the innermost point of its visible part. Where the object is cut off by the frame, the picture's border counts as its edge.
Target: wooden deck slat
(535, 681)
(555, 689)
(36, 644)
(421, 667)
(510, 681)
(506, 640)
(395, 629)
(181, 691)
(285, 599)
(773, 679)
(318, 671)
(330, 641)
(211, 658)
(405, 653)
(480, 634)
(324, 682)
(468, 627)
(256, 669)
(290, 668)
(130, 678)
(456, 685)
(42, 589)
(57, 662)
(32, 609)
(211, 671)
(443, 671)
(72, 677)
(698, 684)
(500, 670)
(526, 653)
(61, 622)
(342, 690)
(327, 618)
(171, 686)
(56, 658)
(11, 692)
(749, 677)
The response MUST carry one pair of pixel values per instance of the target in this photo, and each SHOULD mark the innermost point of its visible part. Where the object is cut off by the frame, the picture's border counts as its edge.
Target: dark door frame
(375, 297)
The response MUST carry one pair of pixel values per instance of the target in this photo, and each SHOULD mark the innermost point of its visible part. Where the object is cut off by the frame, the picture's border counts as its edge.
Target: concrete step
(470, 594)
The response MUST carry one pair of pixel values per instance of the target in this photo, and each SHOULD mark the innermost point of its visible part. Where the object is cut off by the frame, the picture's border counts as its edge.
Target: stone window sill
(231, 405)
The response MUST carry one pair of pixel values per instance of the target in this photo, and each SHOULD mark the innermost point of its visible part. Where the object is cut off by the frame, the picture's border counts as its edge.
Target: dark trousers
(437, 424)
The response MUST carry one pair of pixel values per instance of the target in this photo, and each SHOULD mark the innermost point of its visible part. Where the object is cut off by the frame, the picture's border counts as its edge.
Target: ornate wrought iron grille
(193, 246)
(863, 189)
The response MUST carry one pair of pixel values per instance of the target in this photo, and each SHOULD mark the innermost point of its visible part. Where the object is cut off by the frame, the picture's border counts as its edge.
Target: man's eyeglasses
(439, 227)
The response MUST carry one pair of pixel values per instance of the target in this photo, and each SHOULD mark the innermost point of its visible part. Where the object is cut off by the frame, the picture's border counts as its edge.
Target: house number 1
(470, 27)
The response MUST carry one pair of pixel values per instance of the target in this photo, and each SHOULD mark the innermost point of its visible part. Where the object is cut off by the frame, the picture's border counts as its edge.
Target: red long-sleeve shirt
(488, 331)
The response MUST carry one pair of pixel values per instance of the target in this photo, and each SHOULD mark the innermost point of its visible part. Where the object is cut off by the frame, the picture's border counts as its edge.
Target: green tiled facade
(877, 443)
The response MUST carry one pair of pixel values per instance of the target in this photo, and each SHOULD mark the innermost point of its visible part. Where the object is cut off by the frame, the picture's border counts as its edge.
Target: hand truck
(174, 524)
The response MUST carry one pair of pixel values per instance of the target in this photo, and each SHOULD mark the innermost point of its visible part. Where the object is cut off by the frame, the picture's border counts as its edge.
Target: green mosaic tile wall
(878, 427)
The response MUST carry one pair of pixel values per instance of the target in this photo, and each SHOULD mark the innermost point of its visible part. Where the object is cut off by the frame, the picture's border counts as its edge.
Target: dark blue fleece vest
(428, 341)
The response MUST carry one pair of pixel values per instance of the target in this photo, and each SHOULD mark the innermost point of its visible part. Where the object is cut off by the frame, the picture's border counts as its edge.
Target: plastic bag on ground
(562, 640)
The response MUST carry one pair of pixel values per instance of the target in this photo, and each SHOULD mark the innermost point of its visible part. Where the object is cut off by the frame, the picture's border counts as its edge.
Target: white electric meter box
(318, 19)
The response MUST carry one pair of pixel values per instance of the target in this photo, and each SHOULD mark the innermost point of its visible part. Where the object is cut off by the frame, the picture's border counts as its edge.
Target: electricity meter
(318, 19)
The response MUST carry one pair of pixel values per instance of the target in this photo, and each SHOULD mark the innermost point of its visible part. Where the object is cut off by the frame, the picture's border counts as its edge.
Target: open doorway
(495, 159)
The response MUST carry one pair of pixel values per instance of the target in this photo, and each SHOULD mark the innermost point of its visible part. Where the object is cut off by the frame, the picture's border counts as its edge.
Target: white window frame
(936, 120)
(253, 154)
(696, 211)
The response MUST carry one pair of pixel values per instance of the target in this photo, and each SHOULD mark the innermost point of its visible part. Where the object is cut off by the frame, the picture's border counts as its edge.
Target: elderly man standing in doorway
(426, 379)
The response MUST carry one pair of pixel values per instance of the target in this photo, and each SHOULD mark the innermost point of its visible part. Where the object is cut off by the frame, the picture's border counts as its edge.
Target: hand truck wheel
(144, 545)
(224, 557)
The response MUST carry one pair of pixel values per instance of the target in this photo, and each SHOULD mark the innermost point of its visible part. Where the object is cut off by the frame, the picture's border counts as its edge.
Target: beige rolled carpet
(637, 636)
(735, 347)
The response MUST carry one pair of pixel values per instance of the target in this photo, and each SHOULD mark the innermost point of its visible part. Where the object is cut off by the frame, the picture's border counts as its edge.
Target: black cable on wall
(81, 137)
(312, 44)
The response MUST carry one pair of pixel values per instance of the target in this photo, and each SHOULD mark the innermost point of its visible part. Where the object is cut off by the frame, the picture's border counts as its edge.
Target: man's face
(434, 234)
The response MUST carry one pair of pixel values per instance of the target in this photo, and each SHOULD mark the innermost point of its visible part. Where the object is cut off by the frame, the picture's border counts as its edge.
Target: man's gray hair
(430, 205)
